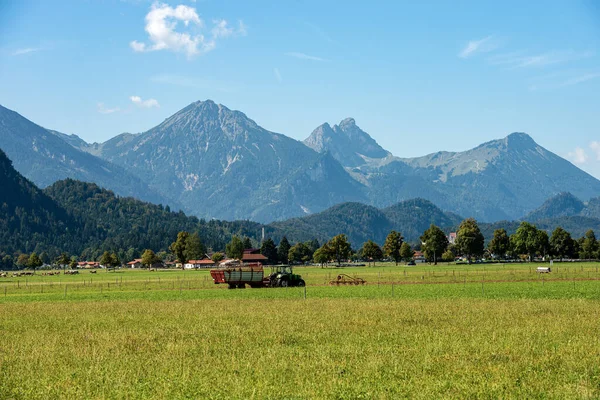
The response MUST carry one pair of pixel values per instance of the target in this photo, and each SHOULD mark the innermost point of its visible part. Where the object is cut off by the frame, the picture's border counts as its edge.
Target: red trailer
(239, 276)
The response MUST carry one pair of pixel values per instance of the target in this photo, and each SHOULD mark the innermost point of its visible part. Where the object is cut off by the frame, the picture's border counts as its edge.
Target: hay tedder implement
(343, 279)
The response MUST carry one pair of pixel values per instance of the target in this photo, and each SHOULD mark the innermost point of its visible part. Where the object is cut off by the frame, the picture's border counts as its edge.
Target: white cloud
(162, 23)
(595, 147)
(102, 109)
(578, 156)
(303, 56)
(522, 60)
(484, 45)
(137, 100)
(277, 75)
(27, 50)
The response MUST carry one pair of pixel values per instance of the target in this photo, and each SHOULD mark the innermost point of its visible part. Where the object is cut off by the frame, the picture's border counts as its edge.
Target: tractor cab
(283, 276)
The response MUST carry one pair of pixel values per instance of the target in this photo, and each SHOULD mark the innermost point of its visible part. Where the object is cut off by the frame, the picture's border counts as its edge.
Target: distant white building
(452, 238)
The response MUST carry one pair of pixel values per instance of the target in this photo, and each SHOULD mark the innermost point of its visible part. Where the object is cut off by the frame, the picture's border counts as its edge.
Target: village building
(137, 263)
(195, 264)
(452, 237)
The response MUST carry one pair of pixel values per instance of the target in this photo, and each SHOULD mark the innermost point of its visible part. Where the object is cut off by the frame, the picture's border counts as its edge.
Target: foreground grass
(427, 332)
(295, 348)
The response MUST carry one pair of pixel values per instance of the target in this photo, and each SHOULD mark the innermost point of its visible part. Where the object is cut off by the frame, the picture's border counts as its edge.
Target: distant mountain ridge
(44, 157)
(218, 163)
(565, 205)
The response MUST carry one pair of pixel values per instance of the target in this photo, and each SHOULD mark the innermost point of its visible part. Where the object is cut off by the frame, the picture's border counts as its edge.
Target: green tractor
(283, 276)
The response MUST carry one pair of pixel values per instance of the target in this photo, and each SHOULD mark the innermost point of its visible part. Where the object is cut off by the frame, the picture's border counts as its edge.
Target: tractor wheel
(283, 283)
(301, 283)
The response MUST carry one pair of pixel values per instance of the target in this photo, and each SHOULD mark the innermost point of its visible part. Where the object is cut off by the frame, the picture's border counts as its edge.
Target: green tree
(45, 258)
(543, 242)
(313, 245)
(561, 243)
(34, 261)
(589, 245)
(247, 243)
(149, 258)
(406, 252)
(178, 248)
(322, 255)
(371, 251)
(526, 240)
(340, 248)
(448, 256)
(63, 260)
(469, 239)
(217, 257)
(299, 252)
(115, 261)
(235, 248)
(106, 259)
(22, 260)
(73, 263)
(194, 249)
(269, 250)
(393, 245)
(283, 250)
(500, 244)
(434, 243)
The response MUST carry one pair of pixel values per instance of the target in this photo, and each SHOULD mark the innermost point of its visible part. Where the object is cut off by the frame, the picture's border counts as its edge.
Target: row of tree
(528, 241)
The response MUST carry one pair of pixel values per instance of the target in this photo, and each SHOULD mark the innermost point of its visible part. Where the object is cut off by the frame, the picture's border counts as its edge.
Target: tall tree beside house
(469, 239)
(283, 250)
(371, 251)
(115, 261)
(339, 248)
(561, 243)
(393, 245)
(178, 248)
(526, 240)
(63, 260)
(194, 249)
(269, 250)
(406, 252)
(247, 243)
(499, 246)
(34, 261)
(106, 259)
(149, 258)
(235, 248)
(589, 245)
(434, 243)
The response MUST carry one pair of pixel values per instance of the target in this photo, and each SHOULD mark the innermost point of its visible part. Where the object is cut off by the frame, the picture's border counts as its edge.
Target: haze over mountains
(218, 163)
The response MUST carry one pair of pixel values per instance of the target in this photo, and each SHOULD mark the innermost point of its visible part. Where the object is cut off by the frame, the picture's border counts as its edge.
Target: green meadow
(446, 331)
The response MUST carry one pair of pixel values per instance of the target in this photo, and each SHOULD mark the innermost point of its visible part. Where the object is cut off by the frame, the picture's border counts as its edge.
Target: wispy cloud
(304, 56)
(485, 45)
(277, 75)
(578, 156)
(523, 60)
(560, 79)
(150, 103)
(26, 50)
(102, 109)
(162, 23)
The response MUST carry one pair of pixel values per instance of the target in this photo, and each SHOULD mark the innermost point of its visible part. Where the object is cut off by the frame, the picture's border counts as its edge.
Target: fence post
(392, 290)
(65, 290)
(304, 292)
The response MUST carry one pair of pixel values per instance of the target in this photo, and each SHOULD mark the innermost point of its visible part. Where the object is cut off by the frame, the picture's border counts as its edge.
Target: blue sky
(418, 76)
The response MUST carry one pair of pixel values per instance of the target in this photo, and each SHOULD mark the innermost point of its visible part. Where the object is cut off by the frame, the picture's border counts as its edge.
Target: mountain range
(214, 162)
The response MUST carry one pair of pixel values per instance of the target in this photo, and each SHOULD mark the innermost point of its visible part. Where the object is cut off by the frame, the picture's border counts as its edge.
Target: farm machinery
(343, 279)
(254, 275)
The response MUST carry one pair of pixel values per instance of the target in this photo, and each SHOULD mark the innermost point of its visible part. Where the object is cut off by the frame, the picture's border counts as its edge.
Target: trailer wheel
(231, 286)
(241, 286)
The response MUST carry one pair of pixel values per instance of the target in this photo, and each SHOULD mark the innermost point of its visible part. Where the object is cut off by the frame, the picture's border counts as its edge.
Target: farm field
(430, 332)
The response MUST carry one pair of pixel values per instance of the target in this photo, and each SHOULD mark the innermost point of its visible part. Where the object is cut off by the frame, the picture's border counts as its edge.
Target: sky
(419, 77)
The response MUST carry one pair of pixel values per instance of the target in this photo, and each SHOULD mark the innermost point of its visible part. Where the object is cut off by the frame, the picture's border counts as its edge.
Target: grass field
(499, 331)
